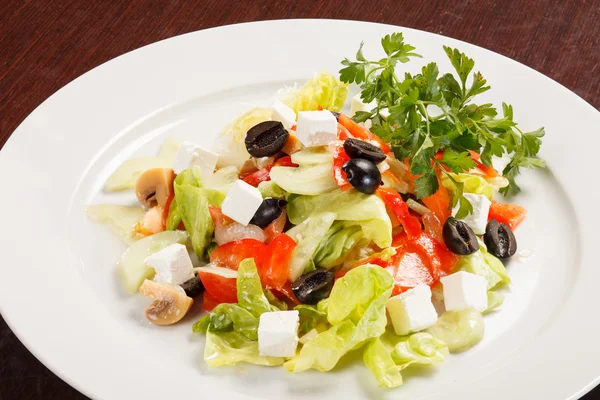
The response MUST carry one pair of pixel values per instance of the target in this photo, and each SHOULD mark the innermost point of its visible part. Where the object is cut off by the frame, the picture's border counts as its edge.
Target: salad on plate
(306, 232)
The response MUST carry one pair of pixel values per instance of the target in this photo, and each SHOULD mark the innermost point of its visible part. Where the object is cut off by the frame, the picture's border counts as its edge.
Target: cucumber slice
(460, 330)
(132, 267)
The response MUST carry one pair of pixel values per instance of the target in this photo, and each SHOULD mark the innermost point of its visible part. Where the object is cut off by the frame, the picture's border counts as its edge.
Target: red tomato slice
(229, 255)
(218, 217)
(411, 225)
(287, 291)
(275, 272)
(209, 302)
(285, 161)
(360, 132)
(410, 271)
(220, 283)
(262, 175)
(509, 214)
(276, 227)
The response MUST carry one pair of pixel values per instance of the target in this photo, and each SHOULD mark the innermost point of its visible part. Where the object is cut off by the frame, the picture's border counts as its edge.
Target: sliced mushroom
(248, 167)
(155, 186)
(170, 303)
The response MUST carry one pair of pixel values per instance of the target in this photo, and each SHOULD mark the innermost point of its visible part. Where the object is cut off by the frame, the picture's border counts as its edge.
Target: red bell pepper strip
(342, 132)
(339, 159)
(509, 214)
(360, 132)
(439, 203)
(411, 225)
(488, 170)
(276, 227)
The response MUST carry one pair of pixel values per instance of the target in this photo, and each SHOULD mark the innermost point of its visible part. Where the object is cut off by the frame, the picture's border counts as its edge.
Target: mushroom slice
(170, 303)
(155, 186)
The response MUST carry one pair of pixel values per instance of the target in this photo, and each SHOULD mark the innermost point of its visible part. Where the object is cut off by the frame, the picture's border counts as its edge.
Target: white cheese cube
(190, 155)
(284, 114)
(241, 202)
(278, 333)
(481, 208)
(172, 265)
(316, 128)
(464, 290)
(358, 105)
(412, 311)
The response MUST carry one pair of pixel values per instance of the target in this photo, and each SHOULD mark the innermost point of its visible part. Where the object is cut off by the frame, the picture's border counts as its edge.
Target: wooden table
(44, 44)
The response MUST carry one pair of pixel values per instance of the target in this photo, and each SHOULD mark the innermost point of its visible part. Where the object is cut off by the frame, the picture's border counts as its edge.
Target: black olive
(266, 139)
(459, 237)
(269, 211)
(336, 115)
(193, 287)
(406, 196)
(500, 239)
(356, 148)
(362, 174)
(314, 286)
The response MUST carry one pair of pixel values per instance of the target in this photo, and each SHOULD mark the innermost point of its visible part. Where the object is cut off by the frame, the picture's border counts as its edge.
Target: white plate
(58, 290)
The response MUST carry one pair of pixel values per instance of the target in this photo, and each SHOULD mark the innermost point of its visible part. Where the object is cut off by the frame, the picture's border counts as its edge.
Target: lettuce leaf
(323, 90)
(419, 348)
(341, 239)
(307, 235)
(365, 210)
(232, 329)
(472, 184)
(271, 189)
(356, 310)
(311, 318)
(229, 348)
(495, 300)
(459, 330)
(484, 264)
(379, 361)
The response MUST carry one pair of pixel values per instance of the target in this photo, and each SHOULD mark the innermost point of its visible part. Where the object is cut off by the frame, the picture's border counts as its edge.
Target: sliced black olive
(356, 148)
(459, 237)
(314, 286)
(362, 174)
(500, 239)
(266, 139)
(269, 211)
(193, 287)
(336, 115)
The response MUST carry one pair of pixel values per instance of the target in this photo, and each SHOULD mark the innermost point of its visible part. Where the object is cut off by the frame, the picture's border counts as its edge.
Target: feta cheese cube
(241, 202)
(465, 290)
(278, 333)
(283, 114)
(412, 311)
(357, 104)
(481, 208)
(172, 265)
(316, 128)
(190, 155)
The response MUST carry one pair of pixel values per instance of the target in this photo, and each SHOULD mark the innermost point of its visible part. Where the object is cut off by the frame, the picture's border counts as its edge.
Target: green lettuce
(419, 348)
(311, 317)
(495, 300)
(229, 348)
(340, 240)
(308, 234)
(232, 329)
(379, 361)
(323, 90)
(484, 264)
(460, 330)
(365, 210)
(356, 311)
(190, 205)
(472, 184)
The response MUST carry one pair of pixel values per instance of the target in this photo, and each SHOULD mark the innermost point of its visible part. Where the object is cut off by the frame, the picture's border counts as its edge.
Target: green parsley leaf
(458, 162)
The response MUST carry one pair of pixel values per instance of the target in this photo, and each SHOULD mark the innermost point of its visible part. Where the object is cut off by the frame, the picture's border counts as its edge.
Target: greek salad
(307, 232)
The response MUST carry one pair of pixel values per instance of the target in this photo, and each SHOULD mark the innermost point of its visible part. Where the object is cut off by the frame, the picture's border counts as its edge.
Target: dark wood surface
(44, 44)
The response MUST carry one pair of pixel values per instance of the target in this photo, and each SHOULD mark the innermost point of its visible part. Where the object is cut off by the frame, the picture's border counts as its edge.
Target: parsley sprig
(417, 132)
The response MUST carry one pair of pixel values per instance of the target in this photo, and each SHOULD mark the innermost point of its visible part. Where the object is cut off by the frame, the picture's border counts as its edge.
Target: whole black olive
(459, 237)
(269, 211)
(193, 287)
(500, 239)
(266, 139)
(314, 286)
(362, 174)
(336, 115)
(356, 148)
